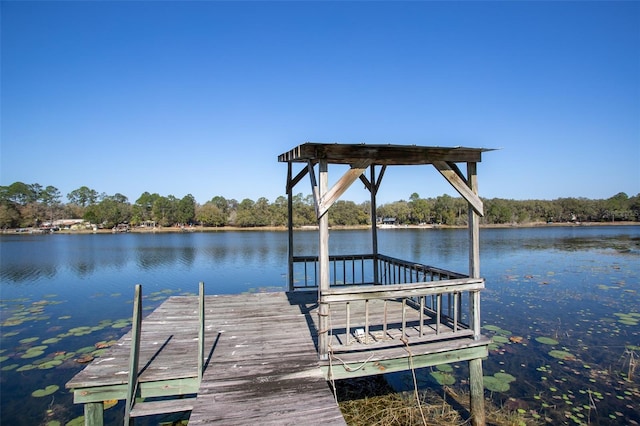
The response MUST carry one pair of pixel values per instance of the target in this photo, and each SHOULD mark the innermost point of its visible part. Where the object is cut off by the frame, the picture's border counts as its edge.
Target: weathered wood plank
(380, 154)
(264, 367)
(142, 409)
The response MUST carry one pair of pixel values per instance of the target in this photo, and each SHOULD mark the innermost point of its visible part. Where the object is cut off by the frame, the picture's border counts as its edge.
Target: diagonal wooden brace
(323, 204)
(460, 185)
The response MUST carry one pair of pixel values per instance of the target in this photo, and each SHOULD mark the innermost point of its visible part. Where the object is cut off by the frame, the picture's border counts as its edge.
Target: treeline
(32, 205)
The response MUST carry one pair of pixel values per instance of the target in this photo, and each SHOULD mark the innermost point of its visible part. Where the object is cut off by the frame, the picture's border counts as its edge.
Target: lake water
(580, 286)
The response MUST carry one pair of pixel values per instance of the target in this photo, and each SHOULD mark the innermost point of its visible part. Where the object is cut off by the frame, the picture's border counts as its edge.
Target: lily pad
(445, 368)
(32, 354)
(49, 364)
(27, 367)
(505, 377)
(10, 367)
(46, 391)
(443, 378)
(564, 355)
(78, 421)
(546, 340)
(500, 339)
(495, 385)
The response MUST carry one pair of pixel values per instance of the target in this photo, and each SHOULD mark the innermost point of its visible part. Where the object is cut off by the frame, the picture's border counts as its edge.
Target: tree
(303, 210)
(278, 211)
(420, 211)
(83, 196)
(142, 210)
(9, 216)
(245, 213)
(498, 211)
(443, 210)
(20, 193)
(186, 213)
(347, 213)
(165, 210)
(210, 214)
(50, 197)
(110, 211)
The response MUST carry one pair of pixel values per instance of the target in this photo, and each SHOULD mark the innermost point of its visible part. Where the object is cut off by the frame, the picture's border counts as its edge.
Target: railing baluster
(438, 312)
(404, 317)
(384, 323)
(456, 298)
(366, 321)
(353, 270)
(348, 324)
(421, 316)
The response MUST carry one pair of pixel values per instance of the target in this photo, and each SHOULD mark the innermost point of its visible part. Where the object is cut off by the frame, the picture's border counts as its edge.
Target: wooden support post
(201, 331)
(94, 413)
(373, 189)
(323, 263)
(477, 392)
(475, 365)
(134, 357)
(290, 224)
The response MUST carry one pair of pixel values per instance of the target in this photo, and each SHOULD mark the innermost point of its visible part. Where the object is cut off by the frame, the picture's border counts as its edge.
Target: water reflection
(565, 283)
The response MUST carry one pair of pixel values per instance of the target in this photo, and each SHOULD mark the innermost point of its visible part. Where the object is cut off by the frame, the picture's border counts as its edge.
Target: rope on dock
(405, 340)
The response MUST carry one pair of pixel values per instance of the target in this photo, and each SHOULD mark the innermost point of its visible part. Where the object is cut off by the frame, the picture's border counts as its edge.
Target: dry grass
(371, 401)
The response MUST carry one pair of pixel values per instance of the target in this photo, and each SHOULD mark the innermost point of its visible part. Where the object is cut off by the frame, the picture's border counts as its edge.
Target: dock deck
(262, 363)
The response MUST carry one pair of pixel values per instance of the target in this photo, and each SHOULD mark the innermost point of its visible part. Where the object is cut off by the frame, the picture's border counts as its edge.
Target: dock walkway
(262, 363)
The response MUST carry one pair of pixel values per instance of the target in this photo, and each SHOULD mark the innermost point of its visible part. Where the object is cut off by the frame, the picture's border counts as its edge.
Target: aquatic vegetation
(563, 355)
(443, 378)
(46, 391)
(32, 353)
(494, 384)
(632, 318)
(500, 339)
(505, 377)
(445, 368)
(78, 421)
(49, 364)
(546, 340)
(10, 367)
(110, 403)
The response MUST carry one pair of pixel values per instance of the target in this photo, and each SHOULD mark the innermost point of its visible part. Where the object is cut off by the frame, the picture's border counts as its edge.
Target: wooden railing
(360, 269)
(432, 303)
(352, 269)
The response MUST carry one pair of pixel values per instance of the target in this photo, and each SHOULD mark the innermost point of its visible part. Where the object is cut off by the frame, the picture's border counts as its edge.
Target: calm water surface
(580, 286)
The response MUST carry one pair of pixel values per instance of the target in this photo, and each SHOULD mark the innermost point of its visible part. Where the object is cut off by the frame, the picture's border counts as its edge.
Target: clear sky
(201, 97)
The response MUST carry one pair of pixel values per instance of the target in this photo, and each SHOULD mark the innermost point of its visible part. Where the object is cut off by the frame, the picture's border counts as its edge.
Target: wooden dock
(261, 360)
(262, 364)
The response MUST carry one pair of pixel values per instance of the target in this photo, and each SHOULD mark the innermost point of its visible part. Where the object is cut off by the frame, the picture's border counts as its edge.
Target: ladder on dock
(175, 399)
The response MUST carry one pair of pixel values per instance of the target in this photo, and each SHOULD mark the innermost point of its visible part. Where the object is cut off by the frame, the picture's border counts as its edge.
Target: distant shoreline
(190, 229)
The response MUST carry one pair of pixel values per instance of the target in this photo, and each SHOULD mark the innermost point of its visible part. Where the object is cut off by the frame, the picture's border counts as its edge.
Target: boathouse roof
(338, 153)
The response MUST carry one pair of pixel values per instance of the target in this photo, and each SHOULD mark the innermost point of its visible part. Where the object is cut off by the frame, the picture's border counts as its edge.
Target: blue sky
(201, 97)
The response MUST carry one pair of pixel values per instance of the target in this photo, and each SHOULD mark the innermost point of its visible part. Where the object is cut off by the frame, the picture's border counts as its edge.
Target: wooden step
(141, 409)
